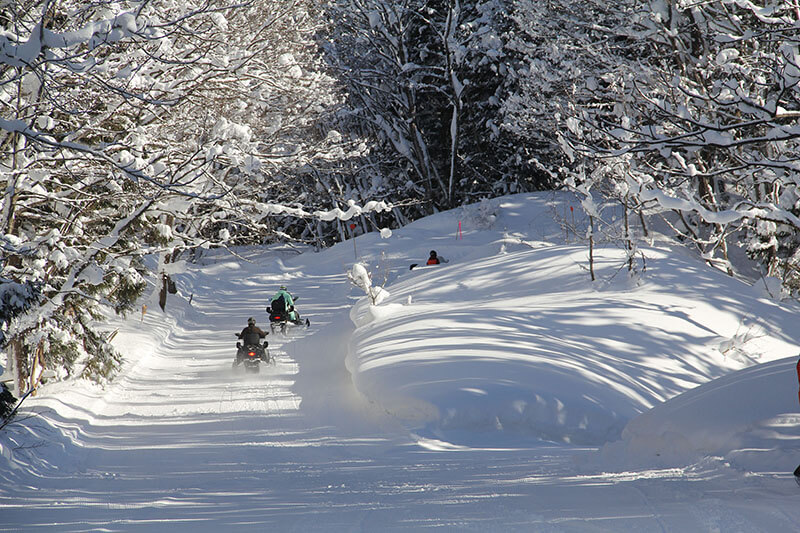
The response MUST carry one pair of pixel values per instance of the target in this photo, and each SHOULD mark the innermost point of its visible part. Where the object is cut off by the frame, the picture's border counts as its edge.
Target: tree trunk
(17, 358)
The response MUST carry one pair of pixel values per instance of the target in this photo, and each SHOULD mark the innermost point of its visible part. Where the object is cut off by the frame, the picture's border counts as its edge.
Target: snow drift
(515, 340)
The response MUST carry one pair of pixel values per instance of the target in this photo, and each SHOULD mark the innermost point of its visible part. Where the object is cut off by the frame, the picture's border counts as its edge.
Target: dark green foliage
(16, 298)
(7, 402)
(105, 360)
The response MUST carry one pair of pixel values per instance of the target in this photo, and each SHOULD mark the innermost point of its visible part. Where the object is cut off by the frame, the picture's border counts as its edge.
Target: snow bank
(513, 341)
(751, 417)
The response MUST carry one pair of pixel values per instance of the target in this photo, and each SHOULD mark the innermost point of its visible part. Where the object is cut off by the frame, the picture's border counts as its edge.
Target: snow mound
(748, 417)
(513, 340)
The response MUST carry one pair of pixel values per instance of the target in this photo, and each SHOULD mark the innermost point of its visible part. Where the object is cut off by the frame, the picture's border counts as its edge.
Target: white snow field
(502, 391)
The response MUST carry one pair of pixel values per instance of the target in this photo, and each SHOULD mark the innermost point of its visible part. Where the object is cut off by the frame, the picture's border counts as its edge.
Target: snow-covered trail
(181, 442)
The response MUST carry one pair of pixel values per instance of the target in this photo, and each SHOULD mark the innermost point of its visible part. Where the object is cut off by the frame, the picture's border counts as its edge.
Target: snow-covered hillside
(500, 391)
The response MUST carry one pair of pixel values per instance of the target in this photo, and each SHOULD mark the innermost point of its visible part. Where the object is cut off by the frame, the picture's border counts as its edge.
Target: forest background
(161, 128)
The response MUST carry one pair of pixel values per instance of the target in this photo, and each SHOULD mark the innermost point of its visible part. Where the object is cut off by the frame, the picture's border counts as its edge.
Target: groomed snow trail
(181, 442)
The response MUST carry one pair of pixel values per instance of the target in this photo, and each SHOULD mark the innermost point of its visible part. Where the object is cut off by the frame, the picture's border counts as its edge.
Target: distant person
(433, 259)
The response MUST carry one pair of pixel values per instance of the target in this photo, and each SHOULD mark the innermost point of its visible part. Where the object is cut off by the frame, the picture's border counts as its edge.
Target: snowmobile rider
(435, 259)
(251, 336)
(283, 302)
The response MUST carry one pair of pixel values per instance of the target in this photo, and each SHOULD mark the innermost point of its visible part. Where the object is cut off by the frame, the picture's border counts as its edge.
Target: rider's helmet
(251, 321)
(283, 287)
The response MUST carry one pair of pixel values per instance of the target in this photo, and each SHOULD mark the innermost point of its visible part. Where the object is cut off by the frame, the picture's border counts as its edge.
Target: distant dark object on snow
(433, 259)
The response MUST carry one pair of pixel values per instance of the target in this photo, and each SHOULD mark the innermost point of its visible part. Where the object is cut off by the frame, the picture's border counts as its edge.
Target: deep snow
(501, 391)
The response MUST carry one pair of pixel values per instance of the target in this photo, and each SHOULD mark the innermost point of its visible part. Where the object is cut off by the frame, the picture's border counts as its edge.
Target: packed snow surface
(501, 391)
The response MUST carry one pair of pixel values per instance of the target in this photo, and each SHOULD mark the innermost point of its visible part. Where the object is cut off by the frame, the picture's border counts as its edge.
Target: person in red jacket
(434, 259)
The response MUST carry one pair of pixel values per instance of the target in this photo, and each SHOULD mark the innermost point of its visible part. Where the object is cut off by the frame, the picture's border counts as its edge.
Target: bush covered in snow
(360, 277)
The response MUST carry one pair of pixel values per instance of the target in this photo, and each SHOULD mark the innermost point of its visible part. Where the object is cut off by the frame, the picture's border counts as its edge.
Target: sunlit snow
(502, 391)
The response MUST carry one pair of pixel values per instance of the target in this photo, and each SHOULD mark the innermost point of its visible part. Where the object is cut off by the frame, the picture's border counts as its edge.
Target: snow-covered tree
(706, 126)
(425, 80)
(75, 193)
(579, 57)
(573, 54)
(141, 127)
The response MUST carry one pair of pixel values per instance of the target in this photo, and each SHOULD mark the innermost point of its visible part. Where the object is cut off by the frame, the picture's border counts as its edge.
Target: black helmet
(433, 253)
(251, 321)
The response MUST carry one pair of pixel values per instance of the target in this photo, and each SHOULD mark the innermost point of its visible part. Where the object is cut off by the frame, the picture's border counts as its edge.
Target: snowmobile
(279, 320)
(251, 356)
